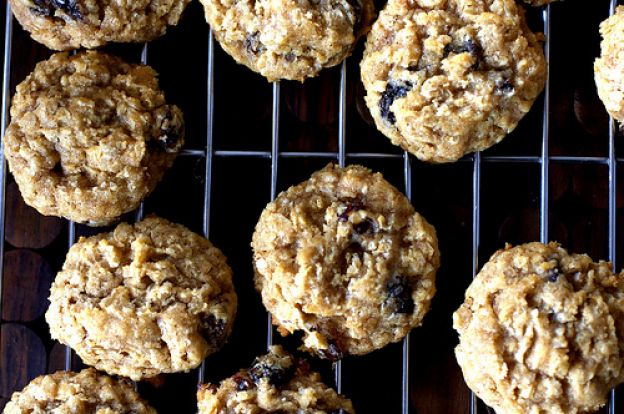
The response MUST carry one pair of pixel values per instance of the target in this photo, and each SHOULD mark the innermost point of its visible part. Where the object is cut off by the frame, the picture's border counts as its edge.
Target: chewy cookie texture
(275, 383)
(288, 39)
(609, 67)
(90, 136)
(445, 78)
(345, 259)
(71, 24)
(85, 392)
(542, 331)
(145, 299)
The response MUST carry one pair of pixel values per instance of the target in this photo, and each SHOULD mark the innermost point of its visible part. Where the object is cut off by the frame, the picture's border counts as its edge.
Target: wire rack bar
(342, 125)
(612, 207)
(201, 372)
(519, 159)
(544, 194)
(6, 97)
(476, 233)
(407, 173)
(274, 155)
(140, 211)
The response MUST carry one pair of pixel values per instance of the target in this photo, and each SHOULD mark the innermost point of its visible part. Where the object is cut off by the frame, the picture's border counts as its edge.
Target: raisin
(505, 86)
(253, 44)
(214, 330)
(364, 226)
(393, 91)
(276, 375)
(553, 276)
(352, 205)
(69, 7)
(400, 295)
(333, 352)
(242, 384)
(169, 140)
(290, 57)
(467, 46)
(41, 8)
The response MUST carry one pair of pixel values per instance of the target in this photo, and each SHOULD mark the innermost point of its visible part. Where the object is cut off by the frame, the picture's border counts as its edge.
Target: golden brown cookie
(542, 331)
(609, 67)
(447, 77)
(288, 39)
(90, 136)
(71, 24)
(84, 392)
(275, 383)
(536, 3)
(145, 299)
(345, 259)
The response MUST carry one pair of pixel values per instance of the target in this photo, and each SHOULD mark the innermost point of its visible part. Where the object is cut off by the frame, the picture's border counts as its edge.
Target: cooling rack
(275, 152)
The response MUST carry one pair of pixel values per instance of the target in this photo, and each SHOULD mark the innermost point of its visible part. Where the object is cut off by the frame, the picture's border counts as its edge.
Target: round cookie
(84, 392)
(275, 383)
(609, 67)
(72, 24)
(536, 3)
(288, 39)
(345, 259)
(145, 299)
(447, 77)
(542, 331)
(90, 136)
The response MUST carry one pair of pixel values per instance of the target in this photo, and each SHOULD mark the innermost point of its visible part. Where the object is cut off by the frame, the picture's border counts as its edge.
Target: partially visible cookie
(146, 299)
(445, 78)
(288, 39)
(542, 331)
(609, 67)
(71, 24)
(275, 383)
(90, 136)
(344, 258)
(536, 3)
(84, 392)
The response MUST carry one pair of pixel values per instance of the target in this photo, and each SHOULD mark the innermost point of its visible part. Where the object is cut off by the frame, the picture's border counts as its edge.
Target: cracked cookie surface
(542, 331)
(344, 258)
(275, 383)
(84, 392)
(609, 67)
(145, 299)
(71, 24)
(288, 39)
(447, 77)
(90, 136)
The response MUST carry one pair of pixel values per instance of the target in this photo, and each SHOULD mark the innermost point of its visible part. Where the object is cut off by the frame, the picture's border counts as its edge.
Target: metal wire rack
(342, 157)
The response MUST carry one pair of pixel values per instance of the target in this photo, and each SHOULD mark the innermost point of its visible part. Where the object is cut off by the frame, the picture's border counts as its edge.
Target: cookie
(90, 136)
(72, 24)
(609, 67)
(542, 331)
(84, 392)
(145, 299)
(288, 39)
(536, 3)
(275, 383)
(447, 77)
(345, 259)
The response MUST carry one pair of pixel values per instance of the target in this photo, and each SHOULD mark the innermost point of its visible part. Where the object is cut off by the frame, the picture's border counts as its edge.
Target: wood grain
(27, 280)
(25, 227)
(22, 358)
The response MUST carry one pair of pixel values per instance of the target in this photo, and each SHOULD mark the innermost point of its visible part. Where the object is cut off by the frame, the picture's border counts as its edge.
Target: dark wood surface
(35, 246)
